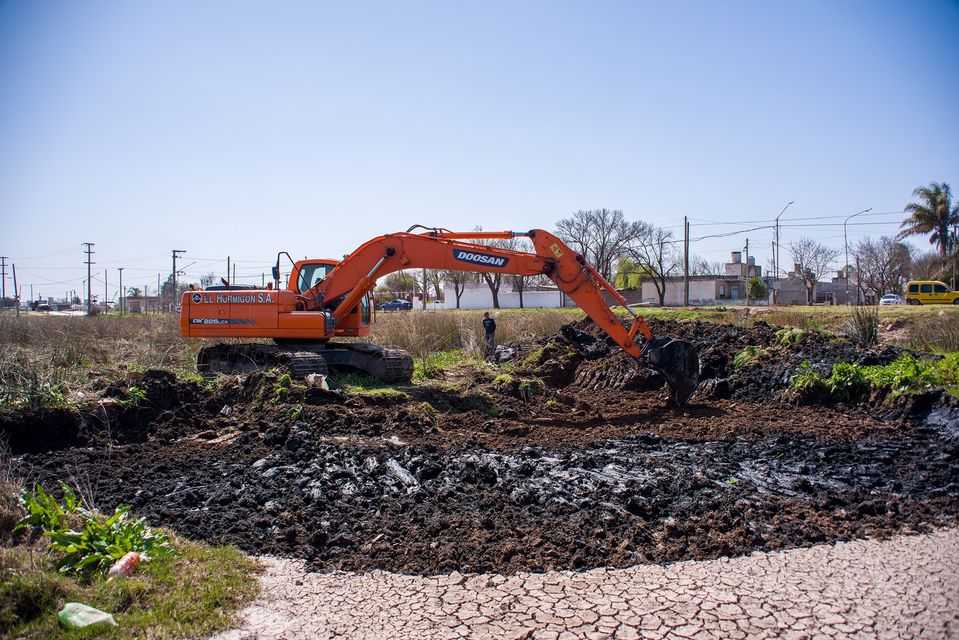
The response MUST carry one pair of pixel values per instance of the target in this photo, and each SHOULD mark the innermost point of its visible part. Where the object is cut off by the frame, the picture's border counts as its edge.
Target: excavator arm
(357, 274)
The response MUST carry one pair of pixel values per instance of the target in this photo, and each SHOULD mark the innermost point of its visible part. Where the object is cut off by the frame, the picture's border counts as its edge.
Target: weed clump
(862, 326)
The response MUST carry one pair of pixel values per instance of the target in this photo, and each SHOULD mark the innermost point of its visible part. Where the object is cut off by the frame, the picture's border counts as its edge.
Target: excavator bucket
(678, 362)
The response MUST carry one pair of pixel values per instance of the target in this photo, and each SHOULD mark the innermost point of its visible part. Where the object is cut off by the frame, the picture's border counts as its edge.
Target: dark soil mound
(574, 460)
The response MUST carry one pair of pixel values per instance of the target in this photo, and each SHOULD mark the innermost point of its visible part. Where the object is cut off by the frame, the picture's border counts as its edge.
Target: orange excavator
(325, 299)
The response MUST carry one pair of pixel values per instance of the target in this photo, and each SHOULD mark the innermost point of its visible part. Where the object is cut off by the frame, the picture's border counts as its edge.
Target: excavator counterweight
(325, 299)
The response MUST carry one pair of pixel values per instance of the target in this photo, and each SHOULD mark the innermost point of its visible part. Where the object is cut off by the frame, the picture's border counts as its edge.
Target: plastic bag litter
(76, 616)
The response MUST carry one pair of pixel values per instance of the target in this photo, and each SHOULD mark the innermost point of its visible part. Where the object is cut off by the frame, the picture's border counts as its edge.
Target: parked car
(890, 298)
(930, 292)
(397, 305)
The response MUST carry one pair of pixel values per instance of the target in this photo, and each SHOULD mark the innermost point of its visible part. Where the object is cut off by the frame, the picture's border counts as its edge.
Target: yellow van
(930, 292)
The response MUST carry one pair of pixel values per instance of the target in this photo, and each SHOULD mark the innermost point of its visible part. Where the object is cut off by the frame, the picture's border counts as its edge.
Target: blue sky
(243, 129)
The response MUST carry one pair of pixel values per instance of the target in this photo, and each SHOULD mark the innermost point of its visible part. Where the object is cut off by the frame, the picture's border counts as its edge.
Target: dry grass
(939, 334)
(43, 358)
(422, 334)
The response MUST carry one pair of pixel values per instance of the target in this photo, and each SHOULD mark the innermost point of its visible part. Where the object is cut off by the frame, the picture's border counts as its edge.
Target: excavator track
(302, 359)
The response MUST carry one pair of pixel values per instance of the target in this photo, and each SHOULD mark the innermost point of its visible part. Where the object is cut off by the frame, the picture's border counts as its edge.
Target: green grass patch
(379, 392)
(435, 363)
(503, 380)
(184, 590)
(191, 595)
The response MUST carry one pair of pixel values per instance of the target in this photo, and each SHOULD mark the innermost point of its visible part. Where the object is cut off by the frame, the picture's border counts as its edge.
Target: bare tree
(400, 284)
(601, 235)
(494, 280)
(700, 266)
(882, 265)
(925, 266)
(814, 260)
(653, 251)
(459, 280)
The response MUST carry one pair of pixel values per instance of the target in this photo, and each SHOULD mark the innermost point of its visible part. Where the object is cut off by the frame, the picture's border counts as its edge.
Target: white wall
(700, 292)
(478, 296)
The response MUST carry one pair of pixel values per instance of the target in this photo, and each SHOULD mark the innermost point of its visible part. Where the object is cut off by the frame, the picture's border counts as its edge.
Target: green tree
(756, 288)
(629, 275)
(133, 292)
(933, 214)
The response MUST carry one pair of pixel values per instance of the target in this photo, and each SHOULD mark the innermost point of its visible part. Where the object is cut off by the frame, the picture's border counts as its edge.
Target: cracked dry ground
(573, 463)
(906, 587)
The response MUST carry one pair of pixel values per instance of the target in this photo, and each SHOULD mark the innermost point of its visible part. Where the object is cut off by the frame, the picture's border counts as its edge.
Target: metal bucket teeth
(678, 362)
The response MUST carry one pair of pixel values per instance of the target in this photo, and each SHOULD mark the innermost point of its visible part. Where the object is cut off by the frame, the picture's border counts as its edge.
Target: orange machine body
(270, 313)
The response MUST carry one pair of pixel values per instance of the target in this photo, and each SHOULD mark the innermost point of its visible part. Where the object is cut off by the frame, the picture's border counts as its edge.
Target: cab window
(941, 288)
(914, 288)
(310, 274)
(925, 288)
(365, 310)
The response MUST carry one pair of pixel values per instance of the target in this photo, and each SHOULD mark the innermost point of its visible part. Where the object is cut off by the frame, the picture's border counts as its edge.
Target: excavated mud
(575, 459)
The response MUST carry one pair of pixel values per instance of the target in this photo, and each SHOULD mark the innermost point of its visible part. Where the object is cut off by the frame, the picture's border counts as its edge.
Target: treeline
(627, 252)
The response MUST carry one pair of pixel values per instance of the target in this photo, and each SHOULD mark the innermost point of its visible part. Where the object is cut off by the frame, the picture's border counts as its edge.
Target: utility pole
(233, 279)
(955, 255)
(262, 279)
(845, 241)
(175, 256)
(772, 291)
(746, 275)
(3, 282)
(156, 306)
(776, 256)
(121, 290)
(16, 291)
(106, 293)
(90, 252)
(686, 260)
(228, 281)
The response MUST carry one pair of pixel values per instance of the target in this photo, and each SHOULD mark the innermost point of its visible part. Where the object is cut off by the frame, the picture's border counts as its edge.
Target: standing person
(489, 326)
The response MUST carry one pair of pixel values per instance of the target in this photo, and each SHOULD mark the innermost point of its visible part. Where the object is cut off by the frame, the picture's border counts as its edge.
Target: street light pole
(845, 241)
(776, 256)
(121, 290)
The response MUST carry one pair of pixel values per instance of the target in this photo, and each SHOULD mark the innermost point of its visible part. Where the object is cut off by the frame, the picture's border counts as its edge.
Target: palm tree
(933, 214)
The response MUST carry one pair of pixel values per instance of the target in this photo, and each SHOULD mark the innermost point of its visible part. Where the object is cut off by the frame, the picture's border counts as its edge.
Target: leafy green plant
(906, 374)
(96, 542)
(136, 396)
(100, 543)
(788, 336)
(295, 412)
(46, 512)
(746, 357)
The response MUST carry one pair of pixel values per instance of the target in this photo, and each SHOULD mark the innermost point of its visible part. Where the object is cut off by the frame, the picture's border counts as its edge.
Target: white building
(706, 290)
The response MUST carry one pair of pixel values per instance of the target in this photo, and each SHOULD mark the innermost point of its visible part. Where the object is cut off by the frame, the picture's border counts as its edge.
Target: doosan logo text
(480, 258)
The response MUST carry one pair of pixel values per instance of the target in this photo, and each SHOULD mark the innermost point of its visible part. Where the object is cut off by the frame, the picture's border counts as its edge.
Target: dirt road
(907, 586)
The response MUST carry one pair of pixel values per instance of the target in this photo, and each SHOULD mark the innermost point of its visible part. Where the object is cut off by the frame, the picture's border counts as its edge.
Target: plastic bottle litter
(124, 566)
(76, 616)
